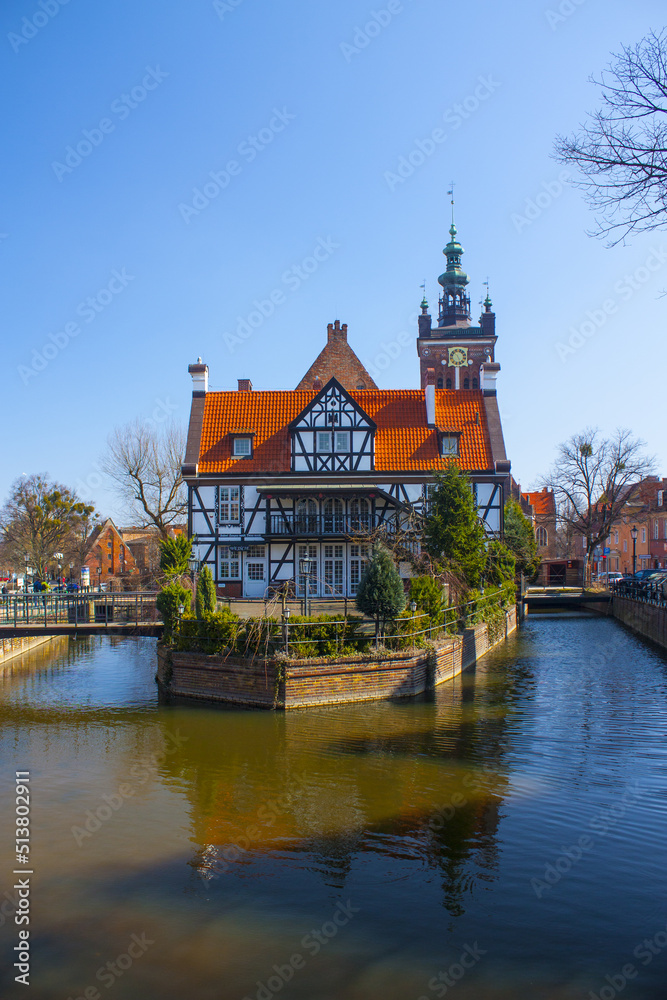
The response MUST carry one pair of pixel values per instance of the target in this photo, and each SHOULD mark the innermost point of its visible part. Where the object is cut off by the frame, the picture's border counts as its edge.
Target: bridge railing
(642, 590)
(79, 609)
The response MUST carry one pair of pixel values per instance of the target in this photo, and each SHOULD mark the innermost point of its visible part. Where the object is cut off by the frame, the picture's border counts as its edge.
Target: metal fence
(642, 590)
(78, 609)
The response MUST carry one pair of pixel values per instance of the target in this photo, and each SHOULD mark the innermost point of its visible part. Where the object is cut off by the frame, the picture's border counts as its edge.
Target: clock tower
(461, 355)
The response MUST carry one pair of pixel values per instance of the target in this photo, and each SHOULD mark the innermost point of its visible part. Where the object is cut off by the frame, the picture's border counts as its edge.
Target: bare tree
(593, 479)
(145, 467)
(622, 148)
(38, 518)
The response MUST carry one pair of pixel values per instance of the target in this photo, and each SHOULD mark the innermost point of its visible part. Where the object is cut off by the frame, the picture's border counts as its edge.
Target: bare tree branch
(145, 467)
(593, 479)
(622, 147)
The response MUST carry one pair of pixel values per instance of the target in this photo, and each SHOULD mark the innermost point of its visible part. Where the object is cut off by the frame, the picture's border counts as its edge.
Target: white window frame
(242, 447)
(656, 529)
(449, 445)
(341, 441)
(660, 497)
(256, 571)
(323, 442)
(643, 534)
(229, 500)
(230, 563)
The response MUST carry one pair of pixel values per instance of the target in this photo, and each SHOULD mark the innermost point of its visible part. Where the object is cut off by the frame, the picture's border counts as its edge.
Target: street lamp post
(633, 535)
(286, 614)
(59, 556)
(305, 568)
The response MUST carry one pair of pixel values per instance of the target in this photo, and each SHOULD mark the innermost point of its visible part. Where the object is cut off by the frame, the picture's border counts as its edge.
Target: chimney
(429, 396)
(336, 332)
(199, 372)
(488, 373)
(245, 385)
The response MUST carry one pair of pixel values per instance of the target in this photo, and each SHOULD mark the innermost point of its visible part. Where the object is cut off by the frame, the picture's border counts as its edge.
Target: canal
(505, 839)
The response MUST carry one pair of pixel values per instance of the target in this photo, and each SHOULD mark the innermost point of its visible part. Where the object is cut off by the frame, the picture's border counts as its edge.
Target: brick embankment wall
(10, 648)
(302, 683)
(648, 620)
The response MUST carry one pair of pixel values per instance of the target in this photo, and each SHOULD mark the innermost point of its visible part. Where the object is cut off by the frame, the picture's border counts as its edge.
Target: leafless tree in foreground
(593, 478)
(622, 147)
(144, 464)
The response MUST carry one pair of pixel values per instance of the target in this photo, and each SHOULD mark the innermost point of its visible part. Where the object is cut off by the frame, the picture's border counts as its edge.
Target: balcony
(318, 525)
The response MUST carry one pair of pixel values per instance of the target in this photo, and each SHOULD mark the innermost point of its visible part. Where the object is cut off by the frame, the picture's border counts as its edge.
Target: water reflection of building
(421, 782)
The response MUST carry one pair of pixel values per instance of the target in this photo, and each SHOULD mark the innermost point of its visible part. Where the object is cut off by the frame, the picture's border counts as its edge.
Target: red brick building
(108, 556)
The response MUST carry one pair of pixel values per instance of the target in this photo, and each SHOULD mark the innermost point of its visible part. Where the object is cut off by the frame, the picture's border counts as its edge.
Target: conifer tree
(453, 531)
(174, 555)
(380, 593)
(206, 599)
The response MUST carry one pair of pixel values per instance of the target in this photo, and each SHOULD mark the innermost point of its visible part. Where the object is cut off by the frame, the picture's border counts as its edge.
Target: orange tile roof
(403, 441)
(543, 502)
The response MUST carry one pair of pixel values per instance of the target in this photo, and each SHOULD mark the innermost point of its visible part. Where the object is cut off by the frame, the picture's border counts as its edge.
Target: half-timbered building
(319, 471)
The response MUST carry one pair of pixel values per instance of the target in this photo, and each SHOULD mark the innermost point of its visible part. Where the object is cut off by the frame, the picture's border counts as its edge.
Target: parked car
(609, 577)
(645, 574)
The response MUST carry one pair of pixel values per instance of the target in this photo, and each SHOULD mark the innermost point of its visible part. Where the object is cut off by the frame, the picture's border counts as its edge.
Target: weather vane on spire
(451, 192)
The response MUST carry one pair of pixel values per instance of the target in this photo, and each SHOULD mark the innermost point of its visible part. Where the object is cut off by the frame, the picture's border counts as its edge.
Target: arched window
(448, 384)
(466, 383)
(334, 516)
(359, 514)
(306, 515)
(542, 537)
(474, 383)
(439, 383)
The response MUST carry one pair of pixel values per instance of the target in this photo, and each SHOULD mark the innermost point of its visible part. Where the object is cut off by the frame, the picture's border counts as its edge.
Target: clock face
(426, 350)
(458, 356)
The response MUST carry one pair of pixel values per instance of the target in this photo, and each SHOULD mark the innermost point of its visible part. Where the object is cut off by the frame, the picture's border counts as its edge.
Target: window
(256, 552)
(359, 514)
(617, 562)
(324, 440)
(660, 496)
(643, 534)
(625, 545)
(664, 528)
(242, 447)
(108, 545)
(474, 383)
(439, 383)
(230, 568)
(466, 383)
(361, 387)
(583, 542)
(542, 537)
(448, 384)
(450, 444)
(306, 515)
(334, 516)
(342, 441)
(358, 563)
(656, 529)
(255, 570)
(230, 504)
(615, 538)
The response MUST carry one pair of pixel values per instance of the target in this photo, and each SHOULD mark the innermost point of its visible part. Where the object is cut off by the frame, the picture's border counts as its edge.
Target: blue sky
(213, 147)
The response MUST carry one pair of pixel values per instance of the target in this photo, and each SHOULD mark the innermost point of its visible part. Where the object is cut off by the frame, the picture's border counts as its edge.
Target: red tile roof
(543, 502)
(403, 441)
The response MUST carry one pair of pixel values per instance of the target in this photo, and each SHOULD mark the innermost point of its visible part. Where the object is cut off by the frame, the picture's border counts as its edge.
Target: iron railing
(642, 590)
(326, 524)
(78, 609)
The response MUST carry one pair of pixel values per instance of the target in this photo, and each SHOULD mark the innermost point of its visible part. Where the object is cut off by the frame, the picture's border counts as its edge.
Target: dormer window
(242, 445)
(449, 444)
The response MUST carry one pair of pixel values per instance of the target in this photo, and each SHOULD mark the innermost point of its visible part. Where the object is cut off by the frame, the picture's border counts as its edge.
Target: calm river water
(506, 839)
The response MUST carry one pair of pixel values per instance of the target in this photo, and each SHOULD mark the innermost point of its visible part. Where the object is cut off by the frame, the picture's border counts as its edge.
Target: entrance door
(334, 575)
(358, 563)
(557, 574)
(255, 571)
